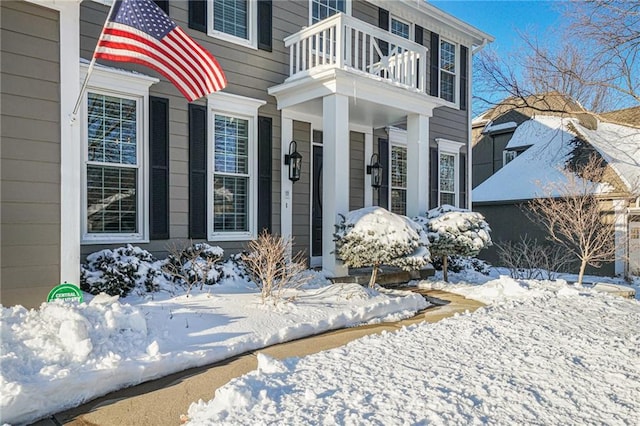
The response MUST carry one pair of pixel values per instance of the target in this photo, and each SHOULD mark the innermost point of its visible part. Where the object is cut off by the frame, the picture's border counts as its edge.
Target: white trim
(252, 26)
(128, 85)
(286, 186)
(245, 108)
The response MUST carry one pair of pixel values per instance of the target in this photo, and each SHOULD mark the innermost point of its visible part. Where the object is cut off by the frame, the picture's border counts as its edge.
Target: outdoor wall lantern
(294, 160)
(375, 170)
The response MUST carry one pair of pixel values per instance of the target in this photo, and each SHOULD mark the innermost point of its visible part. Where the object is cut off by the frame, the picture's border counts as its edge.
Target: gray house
(345, 84)
(519, 148)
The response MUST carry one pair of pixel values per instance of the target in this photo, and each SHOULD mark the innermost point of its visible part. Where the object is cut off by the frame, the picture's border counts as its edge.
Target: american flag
(139, 31)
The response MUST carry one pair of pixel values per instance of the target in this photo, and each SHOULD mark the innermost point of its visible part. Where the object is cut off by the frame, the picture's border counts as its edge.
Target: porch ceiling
(372, 102)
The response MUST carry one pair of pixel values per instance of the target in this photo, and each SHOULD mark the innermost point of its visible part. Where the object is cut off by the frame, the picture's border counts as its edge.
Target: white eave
(434, 19)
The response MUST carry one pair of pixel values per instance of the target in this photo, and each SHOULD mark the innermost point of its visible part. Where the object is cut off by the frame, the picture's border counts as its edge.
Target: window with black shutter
(163, 4)
(198, 15)
(265, 33)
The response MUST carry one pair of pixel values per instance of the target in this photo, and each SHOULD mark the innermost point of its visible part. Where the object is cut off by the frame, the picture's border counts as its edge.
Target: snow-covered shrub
(194, 264)
(373, 236)
(118, 271)
(271, 266)
(455, 231)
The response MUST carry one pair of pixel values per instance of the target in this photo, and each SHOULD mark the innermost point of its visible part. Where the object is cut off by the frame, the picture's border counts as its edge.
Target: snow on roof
(492, 128)
(549, 138)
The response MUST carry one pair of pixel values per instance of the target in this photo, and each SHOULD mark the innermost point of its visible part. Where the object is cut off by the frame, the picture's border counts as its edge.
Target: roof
(627, 116)
(553, 103)
(551, 139)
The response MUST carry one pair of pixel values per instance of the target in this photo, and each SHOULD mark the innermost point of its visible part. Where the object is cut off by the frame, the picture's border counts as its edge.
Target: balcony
(349, 44)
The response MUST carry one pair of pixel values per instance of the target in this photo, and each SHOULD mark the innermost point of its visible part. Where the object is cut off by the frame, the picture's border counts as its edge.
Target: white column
(70, 146)
(368, 152)
(335, 176)
(621, 237)
(417, 164)
(286, 186)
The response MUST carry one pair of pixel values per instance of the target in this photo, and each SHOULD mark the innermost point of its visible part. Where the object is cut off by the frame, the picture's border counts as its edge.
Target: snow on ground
(541, 353)
(63, 354)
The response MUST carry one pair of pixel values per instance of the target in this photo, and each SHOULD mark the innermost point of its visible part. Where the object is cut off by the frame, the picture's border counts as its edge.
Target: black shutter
(383, 154)
(264, 25)
(435, 65)
(198, 15)
(197, 171)
(383, 22)
(163, 4)
(463, 181)
(159, 170)
(463, 77)
(433, 178)
(264, 173)
(419, 38)
(419, 35)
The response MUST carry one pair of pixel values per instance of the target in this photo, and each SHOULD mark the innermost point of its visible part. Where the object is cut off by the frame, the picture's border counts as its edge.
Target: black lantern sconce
(294, 160)
(375, 170)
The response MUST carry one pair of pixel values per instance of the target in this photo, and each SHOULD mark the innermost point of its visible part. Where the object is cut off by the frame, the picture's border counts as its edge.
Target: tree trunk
(374, 276)
(583, 266)
(445, 275)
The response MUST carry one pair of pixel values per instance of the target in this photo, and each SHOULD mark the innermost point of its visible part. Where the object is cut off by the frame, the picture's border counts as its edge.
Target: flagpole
(74, 114)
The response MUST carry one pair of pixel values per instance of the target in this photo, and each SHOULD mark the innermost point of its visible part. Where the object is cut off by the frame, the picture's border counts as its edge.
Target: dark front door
(316, 215)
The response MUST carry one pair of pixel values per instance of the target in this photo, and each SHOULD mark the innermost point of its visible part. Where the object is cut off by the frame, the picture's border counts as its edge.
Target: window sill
(251, 44)
(232, 236)
(89, 239)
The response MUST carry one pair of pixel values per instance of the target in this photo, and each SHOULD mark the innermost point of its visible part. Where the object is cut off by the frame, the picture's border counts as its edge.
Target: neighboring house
(140, 165)
(518, 151)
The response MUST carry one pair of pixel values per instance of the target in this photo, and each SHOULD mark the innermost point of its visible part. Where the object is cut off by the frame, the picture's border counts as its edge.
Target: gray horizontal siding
(302, 189)
(30, 154)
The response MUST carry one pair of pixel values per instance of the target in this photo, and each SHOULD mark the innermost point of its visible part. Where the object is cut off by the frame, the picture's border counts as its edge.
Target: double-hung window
(448, 171)
(115, 157)
(447, 71)
(234, 20)
(232, 167)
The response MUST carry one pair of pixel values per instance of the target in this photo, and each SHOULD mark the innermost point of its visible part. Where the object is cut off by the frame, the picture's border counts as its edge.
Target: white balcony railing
(344, 42)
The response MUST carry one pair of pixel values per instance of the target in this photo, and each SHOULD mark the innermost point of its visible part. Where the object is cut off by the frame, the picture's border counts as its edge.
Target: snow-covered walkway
(544, 354)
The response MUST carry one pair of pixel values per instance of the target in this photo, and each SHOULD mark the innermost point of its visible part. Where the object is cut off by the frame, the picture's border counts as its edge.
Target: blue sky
(502, 19)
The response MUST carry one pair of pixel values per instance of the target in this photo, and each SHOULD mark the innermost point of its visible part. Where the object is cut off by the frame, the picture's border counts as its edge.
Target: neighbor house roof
(552, 142)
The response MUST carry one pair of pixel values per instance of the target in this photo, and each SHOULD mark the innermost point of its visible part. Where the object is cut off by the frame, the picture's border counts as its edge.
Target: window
(231, 174)
(232, 179)
(400, 28)
(508, 156)
(398, 177)
(234, 21)
(447, 71)
(448, 171)
(115, 157)
(321, 9)
(447, 179)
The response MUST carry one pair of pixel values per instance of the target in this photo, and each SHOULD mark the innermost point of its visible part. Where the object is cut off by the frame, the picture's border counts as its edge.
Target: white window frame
(347, 11)
(508, 156)
(456, 74)
(404, 21)
(252, 26)
(123, 84)
(450, 148)
(247, 109)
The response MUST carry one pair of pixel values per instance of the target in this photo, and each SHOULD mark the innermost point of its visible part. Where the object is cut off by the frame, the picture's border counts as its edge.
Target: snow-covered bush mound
(196, 263)
(452, 230)
(374, 236)
(117, 272)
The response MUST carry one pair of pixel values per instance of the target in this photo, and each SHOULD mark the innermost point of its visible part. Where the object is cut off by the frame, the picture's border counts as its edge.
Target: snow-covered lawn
(541, 353)
(61, 355)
